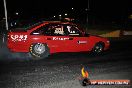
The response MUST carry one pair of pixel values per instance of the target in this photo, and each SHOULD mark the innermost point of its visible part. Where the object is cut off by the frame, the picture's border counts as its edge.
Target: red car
(45, 38)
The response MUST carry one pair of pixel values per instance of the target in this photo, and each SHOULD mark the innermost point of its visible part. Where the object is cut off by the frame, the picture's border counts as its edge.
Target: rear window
(24, 26)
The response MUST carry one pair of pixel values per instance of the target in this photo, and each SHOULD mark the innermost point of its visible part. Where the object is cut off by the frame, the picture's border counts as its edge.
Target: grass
(100, 29)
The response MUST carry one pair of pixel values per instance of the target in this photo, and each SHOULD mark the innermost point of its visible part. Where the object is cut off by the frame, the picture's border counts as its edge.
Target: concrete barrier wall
(111, 34)
(117, 33)
(127, 33)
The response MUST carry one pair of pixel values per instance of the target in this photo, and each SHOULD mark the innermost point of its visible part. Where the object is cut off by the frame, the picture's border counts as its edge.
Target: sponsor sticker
(82, 42)
(59, 38)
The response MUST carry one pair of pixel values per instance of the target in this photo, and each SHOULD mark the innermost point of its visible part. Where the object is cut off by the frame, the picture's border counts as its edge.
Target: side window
(49, 30)
(73, 30)
(56, 30)
(40, 31)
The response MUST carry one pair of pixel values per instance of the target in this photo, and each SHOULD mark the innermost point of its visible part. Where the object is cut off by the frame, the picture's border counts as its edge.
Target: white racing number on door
(19, 38)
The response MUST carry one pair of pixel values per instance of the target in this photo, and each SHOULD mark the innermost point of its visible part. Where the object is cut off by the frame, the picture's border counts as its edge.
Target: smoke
(7, 55)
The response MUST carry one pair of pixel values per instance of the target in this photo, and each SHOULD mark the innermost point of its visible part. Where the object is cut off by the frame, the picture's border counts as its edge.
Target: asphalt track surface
(62, 70)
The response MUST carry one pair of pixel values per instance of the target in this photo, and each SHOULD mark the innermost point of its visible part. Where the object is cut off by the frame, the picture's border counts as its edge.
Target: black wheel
(39, 51)
(98, 48)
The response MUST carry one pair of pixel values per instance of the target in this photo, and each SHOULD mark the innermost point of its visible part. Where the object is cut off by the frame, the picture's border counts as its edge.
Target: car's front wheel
(39, 51)
(98, 48)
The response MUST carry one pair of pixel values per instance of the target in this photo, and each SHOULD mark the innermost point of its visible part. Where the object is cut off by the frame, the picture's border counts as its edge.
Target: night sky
(111, 9)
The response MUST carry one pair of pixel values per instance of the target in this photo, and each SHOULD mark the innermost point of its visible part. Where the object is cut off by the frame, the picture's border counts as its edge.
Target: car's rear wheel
(98, 48)
(39, 51)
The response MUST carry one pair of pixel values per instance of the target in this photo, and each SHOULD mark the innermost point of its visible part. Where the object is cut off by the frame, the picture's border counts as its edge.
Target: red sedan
(45, 38)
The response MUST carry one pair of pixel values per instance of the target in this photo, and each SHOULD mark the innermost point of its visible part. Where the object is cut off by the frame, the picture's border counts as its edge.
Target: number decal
(19, 38)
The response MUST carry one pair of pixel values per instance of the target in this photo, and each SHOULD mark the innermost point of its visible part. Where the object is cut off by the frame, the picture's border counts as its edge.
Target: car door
(56, 40)
(52, 35)
(77, 41)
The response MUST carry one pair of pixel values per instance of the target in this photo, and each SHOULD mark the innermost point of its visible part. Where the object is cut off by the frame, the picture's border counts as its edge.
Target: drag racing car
(48, 37)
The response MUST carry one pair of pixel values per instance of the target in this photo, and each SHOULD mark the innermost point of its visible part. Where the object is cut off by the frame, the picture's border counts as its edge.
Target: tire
(39, 51)
(98, 49)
